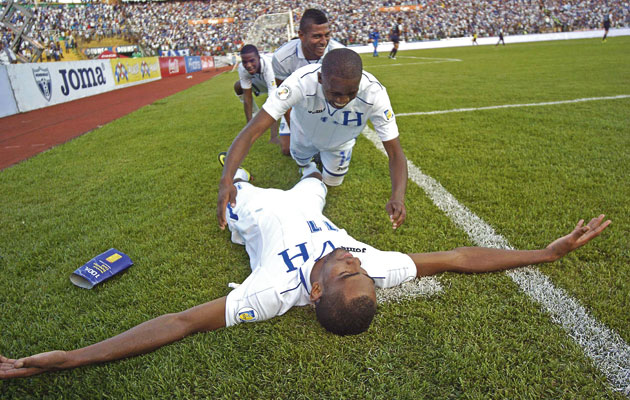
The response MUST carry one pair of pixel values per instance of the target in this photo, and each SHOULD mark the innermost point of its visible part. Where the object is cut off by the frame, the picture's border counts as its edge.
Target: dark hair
(343, 63)
(345, 317)
(249, 48)
(312, 16)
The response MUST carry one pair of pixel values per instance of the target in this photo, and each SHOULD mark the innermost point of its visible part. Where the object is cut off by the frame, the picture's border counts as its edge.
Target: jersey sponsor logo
(283, 93)
(43, 81)
(247, 314)
(354, 249)
(315, 111)
(388, 115)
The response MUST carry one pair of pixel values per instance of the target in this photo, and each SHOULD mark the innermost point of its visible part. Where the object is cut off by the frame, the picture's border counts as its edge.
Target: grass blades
(146, 185)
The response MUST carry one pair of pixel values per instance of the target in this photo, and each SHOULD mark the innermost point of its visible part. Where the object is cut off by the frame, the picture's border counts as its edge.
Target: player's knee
(237, 88)
(332, 180)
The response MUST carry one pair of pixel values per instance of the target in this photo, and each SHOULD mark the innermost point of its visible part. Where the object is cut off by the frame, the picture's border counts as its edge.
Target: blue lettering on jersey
(288, 260)
(347, 120)
(232, 213)
(313, 227)
(330, 226)
(326, 244)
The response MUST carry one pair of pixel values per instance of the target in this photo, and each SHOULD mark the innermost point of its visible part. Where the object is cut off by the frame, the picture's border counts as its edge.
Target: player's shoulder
(333, 44)
(307, 75)
(286, 51)
(370, 83)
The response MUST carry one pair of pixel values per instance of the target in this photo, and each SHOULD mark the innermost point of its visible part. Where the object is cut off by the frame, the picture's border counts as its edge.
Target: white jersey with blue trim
(285, 233)
(265, 81)
(314, 122)
(290, 57)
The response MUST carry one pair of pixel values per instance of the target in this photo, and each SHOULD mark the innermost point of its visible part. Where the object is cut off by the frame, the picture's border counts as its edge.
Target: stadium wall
(27, 87)
(42, 85)
(7, 100)
(492, 40)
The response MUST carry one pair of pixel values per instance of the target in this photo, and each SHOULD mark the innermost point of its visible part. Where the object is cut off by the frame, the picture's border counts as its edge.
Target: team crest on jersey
(43, 81)
(283, 92)
(247, 314)
(388, 115)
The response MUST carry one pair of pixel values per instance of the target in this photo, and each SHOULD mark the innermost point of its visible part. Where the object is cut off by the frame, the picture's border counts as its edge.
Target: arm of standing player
(248, 99)
(237, 152)
(480, 259)
(141, 339)
(398, 174)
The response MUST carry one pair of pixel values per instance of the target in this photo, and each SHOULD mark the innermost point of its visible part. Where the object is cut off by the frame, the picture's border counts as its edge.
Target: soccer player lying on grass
(331, 104)
(298, 257)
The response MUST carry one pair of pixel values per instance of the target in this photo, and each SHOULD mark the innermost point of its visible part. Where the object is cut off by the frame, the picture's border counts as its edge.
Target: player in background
(331, 104)
(255, 76)
(500, 38)
(474, 39)
(396, 32)
(607, 22)
(313, 42)
(374, 37)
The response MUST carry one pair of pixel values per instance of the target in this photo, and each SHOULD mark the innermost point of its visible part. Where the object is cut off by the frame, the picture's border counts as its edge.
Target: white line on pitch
(430, 58)
(608, 351)
(548, 103)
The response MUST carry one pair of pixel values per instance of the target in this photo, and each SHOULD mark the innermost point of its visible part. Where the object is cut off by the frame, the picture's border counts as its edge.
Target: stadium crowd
(165, 25)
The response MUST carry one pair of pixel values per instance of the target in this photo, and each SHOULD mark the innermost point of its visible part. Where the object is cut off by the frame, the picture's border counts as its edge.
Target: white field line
(607, 350)
(548, 103)
(429, 60)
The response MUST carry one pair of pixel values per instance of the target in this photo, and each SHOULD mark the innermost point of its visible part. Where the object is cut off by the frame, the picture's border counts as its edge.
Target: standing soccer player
(313, 42)
(255, 76)
(500, 38)
(607, 23)
(374, 37)
(396, 31)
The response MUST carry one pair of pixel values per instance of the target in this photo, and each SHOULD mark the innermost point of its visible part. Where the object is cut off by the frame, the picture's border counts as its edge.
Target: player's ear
(316, 292)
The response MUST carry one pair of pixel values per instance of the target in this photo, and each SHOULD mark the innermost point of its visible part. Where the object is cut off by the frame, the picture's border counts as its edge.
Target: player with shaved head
(331, 103)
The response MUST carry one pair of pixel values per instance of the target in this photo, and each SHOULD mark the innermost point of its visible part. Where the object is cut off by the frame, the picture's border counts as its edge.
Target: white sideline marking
(608, 351)
(430, 60)
(548, 103)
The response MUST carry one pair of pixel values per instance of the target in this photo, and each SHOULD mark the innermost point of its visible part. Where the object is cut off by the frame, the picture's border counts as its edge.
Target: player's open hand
(227, 193)
(397, 212)
(33, 365)
(581, 235)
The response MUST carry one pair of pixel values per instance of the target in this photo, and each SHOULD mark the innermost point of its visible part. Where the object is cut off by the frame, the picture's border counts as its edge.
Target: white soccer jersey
(288, 58)
(284, 233)
(316, 123)
(265, 81)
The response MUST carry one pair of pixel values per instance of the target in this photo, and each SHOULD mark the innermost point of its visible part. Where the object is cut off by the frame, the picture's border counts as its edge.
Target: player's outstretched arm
(480, 259)
(398, 174)
(141, 339)
(237, 152)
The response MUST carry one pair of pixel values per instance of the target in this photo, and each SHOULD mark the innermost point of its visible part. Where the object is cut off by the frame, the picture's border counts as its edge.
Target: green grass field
(146, 184)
